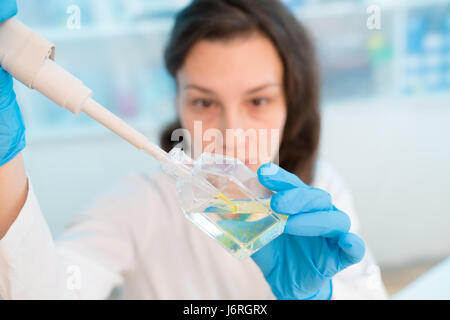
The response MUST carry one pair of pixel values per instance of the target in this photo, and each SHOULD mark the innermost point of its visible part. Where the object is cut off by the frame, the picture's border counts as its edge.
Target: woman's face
(231, 99)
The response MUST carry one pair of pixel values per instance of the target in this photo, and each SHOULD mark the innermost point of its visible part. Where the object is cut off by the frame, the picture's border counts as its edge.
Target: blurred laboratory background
(385, 106)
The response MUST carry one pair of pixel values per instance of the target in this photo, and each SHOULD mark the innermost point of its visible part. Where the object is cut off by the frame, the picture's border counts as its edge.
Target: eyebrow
(211, 92)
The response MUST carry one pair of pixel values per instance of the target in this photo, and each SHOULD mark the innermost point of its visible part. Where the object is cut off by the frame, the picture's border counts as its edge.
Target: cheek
(273, 117)
(269, 139)
(187, 118)
(273, 122)
(184, 114)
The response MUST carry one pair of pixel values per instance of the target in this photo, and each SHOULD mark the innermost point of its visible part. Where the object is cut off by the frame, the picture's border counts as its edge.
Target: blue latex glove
(8, 9)
(12, 129)
(315, 244)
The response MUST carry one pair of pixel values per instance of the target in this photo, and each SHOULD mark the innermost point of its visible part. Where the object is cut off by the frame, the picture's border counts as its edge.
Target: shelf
(431, 100)
(160, 26)
(408, 4)
(163, 25)
(344, 9)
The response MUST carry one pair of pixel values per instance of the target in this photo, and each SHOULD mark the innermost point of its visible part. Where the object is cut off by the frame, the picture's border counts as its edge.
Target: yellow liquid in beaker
(242, 226)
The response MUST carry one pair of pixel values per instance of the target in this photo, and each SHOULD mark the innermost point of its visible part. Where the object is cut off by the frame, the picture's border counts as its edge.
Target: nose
(233, 127)
(232, 119)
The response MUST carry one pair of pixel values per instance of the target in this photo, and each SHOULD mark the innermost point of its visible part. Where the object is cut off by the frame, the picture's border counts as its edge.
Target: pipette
(29, 58)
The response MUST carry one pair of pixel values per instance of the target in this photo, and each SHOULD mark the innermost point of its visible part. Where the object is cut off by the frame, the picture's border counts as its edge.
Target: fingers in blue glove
(300, 200)
(275, 178)
(330, 224)
(352, 249)
(293, 196)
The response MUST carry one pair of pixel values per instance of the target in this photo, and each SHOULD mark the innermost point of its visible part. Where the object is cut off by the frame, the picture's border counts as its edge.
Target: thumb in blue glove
(315, 245)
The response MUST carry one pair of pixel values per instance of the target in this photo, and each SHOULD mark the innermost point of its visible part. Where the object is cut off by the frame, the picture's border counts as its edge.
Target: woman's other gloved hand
(8, 9)
(12, 129)
(315, 245)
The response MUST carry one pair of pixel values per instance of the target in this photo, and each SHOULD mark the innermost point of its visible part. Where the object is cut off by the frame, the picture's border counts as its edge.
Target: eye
(203, 103)
(257, 102)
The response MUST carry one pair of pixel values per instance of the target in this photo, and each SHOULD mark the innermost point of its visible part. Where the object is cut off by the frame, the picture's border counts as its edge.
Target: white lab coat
(137, 239)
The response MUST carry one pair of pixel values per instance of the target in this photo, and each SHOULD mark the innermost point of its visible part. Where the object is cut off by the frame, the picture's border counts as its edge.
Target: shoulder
(327, 178)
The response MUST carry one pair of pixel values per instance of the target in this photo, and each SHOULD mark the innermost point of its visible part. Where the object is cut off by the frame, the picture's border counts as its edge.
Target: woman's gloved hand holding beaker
(315, 245)
(12, 129)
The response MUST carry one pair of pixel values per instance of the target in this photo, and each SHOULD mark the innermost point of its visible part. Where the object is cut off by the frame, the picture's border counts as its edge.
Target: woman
(238, 65)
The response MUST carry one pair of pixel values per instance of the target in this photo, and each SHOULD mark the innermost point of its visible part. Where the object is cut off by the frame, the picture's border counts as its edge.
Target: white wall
(394, 157)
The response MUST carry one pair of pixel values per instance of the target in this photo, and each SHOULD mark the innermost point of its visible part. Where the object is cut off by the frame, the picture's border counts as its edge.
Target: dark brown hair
(225, 19)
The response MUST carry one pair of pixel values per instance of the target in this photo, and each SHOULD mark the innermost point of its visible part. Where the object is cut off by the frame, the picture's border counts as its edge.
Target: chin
(252, 166)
